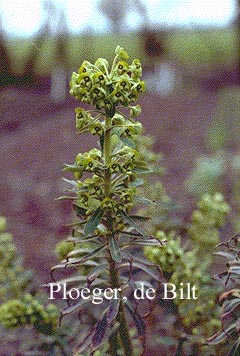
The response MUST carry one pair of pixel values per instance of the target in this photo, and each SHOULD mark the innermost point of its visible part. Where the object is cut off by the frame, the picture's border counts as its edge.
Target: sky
(23, 18)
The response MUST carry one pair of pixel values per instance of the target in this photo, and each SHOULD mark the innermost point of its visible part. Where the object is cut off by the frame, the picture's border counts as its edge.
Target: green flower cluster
(106, 89)
(28, 310)
(96, 85)
(13, 277)
(181, 263)
(63, 248)
(171, 256)
(208, 219)
(182, 266)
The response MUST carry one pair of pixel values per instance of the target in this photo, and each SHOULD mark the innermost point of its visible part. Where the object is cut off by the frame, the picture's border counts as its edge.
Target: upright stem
(121, 318)
(107, 156)
(114, 277)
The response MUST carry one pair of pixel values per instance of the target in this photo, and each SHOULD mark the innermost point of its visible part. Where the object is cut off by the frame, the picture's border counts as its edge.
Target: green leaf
(235, 351)
(130, 257)
(142, 170)
(93, 222)
(69, 280)
(113, 310)
(132, 223)
(73, 261)
(139, 217)
(149, 271)
(64, 197)
(138, 321)
(114, 249)
(72, 182)
(95, 273)
(144, 200)
(221, 335)
(229, 306)
(80, 211)
(78, 251)
(84, 344)
(145, 268)
(79, 261)
(72, 168)
(136, 183)
(74, 307)
(99, 332)
(227, 255)
(233, 267)
(146, 242)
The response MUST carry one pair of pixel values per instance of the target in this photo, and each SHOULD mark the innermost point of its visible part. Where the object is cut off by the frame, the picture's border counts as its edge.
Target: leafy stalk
(105, 199)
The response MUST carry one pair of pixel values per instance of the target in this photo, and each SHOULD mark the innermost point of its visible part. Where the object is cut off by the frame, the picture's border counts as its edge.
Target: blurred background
(191, 61)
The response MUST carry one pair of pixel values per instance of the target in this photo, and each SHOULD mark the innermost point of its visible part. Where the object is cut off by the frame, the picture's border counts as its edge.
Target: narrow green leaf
(235, 350)
(227, 255)
(132, 223)
(136, 183)
(75, 306)
(89, 256)
(139, 217)
(146, 269)
(221, 335)
(99, 332)
(114, 249)
(72, 168)
(142, 170)
(64, 197)
(78, 252)
(84, 344)
(95, 273)
(80, 211)
(93, 222)
(229, 306)
(234, 267)
(130, 257)
(144, 200)
(72, 182)
(149, 271)
(147, 242)
(113, 310)
(68, 280)
(73, 261)
(138, 321)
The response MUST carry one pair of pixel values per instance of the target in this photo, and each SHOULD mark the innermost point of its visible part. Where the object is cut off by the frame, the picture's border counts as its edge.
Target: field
(205, 48)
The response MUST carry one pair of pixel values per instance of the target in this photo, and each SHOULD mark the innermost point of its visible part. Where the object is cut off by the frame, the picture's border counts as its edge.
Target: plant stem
(114, 278)
(121, 318)
(113, 344)
(107, 156)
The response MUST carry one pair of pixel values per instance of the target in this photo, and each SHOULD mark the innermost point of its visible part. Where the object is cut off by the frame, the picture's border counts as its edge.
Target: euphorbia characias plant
(106, 233)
